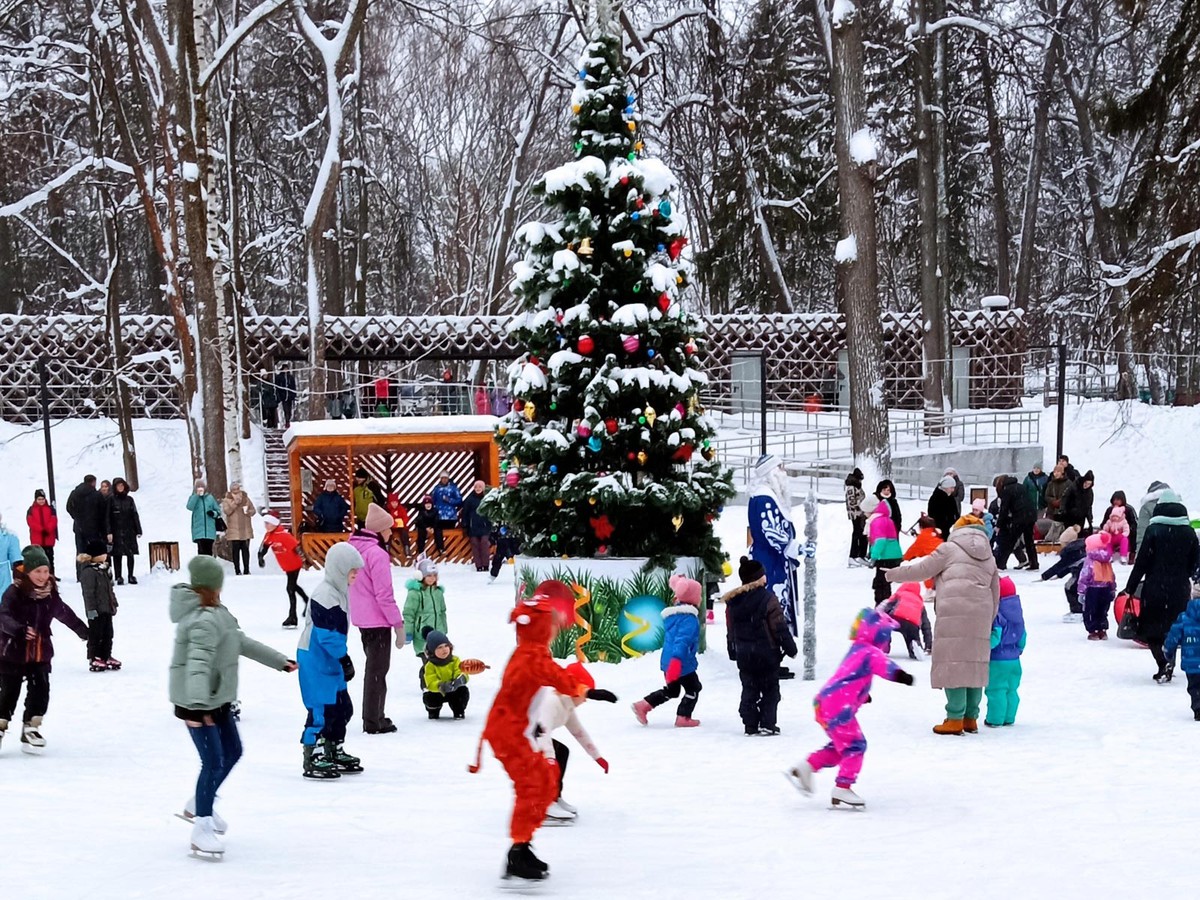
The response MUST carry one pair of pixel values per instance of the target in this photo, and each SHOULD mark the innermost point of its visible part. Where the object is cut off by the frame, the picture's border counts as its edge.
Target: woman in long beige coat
(238, 510)
(968, 595)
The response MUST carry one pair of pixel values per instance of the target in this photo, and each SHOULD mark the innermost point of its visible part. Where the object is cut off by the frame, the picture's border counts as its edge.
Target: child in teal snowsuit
(1004, 670)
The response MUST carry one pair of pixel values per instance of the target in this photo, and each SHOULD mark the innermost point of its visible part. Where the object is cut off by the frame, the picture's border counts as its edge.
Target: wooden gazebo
(404, 455)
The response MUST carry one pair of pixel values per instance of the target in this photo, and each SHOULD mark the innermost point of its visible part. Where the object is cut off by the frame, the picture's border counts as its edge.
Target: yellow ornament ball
(726, 569)
(558, 501)
(641, 457)
(502, 430)
(592, 501)
(628, 252)
(575, 108)
(530, 412)
(650, 415)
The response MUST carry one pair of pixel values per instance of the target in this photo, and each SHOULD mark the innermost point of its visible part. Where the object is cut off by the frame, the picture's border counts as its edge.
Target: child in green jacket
(445, 681)
(424, 607)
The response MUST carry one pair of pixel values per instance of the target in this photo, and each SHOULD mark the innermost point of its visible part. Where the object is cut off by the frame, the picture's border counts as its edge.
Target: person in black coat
(477, 526)
(1077, 504)
(285, 391)
(86, 507)
(944, 507)
(1015, 523)
(1163, 569)
(757, 638)
(887, 491)
(123, 529)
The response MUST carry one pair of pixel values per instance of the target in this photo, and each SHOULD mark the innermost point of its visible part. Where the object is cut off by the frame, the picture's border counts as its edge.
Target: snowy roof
(396, 425)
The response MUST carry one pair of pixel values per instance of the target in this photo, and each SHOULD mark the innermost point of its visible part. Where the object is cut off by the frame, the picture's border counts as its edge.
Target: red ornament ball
(586, 345)
(664, 302)
(611, 425)
(632, 457)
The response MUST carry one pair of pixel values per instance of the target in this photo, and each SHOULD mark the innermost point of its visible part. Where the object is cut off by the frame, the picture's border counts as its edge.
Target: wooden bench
(1048, 547)
(165, 552)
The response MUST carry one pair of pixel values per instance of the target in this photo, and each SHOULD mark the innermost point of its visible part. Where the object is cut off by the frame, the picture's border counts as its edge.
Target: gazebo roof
(400, 425)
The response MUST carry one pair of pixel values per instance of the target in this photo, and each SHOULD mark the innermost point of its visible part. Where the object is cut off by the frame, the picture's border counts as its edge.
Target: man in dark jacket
(87, 510)
(1071, 473)
(285, 391)
(1077, 503)
(757, 638)
(1015, 523)
(944, 507)
(330, 508)
(1163, 569)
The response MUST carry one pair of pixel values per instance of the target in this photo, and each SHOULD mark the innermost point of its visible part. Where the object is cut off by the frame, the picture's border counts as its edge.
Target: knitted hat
(95, 547)
(428, 498)
(979, 505)
(948, 483)
(768, 462)
(434, 638)
(750, 570)
(330, 484)
(479, 485)
(1168, 496)
(968, 521)
(34, 558)
(581, 674)
(39, 493)
(686, 590)
(1007, 588)
(233, 485)
(427, 567)
(1118, 512)
(200, 484)
(377, 518)
(1099, 541)
(271, 520)
(926, 521)
(361, 473)
(206, 572)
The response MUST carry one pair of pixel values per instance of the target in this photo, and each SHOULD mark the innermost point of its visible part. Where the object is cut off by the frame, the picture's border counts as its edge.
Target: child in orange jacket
(511, 724)
(399, 522)
(928, 540)
(290, 559)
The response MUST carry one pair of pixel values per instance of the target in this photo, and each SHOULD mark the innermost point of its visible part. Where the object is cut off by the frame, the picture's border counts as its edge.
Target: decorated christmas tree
(607, 448)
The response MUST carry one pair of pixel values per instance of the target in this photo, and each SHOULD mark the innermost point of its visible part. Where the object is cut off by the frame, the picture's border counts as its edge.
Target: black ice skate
(342, 761)
(524, 865)
(318, 767)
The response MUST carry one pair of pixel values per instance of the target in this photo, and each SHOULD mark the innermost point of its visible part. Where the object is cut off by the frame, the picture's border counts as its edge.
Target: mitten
(902, 677)
(458, 682)
(674, 670)
(601, 694)
(262, 557)
(602, 763)
(347, 667)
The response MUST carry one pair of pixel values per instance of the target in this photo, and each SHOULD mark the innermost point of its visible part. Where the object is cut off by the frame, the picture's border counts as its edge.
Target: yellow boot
(950, 726)
(970, 726)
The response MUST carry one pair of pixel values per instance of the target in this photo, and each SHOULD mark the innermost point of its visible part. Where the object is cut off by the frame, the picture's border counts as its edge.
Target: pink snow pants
(1120, 544)
(845, 750)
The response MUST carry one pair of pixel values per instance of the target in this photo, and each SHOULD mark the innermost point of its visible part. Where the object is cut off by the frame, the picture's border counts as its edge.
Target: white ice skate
(567, 806)
(558, 814)
(801, 776)
(32, 741)
(189, 815)
(205, 843)
(843, 796)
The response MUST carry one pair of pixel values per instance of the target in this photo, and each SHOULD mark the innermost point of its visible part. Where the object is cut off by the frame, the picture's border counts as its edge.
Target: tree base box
(618, 603)
(165, 552)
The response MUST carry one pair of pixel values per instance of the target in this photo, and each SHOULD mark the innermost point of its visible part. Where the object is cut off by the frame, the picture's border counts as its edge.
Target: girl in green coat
(204, 685)
(425, 606)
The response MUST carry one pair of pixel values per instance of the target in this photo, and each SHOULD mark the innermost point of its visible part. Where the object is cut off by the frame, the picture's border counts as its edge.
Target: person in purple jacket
(1004, 669)
(373, 611)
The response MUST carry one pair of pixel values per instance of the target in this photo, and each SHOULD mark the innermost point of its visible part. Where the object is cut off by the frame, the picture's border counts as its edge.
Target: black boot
(523, 864)
(132, 580)
(318, 766)
(342, 761)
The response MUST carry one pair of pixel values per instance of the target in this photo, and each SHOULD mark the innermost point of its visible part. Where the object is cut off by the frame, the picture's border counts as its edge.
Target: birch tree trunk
(858, 272)
(995, 134)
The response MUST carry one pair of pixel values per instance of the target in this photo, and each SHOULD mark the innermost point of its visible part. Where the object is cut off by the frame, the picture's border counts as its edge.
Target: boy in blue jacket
(1004, 670)
(1185, 633)
(681, 641)
(325, 667)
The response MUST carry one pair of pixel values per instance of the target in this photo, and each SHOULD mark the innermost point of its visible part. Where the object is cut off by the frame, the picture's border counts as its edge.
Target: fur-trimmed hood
(681, 609)
(743, 589)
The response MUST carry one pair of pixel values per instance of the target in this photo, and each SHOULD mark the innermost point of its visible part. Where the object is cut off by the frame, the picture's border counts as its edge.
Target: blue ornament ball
(665, 207)
(635, 216)
(641, 624)
(594, 444)
(553, 470)
(650, 353)
(662, 248)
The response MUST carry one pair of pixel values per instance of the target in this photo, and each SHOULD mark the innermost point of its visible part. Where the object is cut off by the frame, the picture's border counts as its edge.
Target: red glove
(674, 670)
(602, 763)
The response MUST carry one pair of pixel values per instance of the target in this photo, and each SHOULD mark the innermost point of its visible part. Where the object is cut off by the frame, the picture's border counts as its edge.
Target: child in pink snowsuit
(1118, 527)
(838, 702)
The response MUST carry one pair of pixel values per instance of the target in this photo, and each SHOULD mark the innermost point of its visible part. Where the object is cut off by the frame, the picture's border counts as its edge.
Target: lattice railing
(802, 353)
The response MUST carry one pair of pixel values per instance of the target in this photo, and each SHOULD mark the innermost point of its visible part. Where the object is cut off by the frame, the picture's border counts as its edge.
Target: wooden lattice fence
(802, 354)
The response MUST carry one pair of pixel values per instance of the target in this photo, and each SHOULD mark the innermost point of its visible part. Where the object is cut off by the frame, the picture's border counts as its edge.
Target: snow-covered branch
(985, 28)
(259, 14)
(1188, 242)
(90, 163)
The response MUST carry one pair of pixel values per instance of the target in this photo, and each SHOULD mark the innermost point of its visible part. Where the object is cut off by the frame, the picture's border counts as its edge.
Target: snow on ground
(1098, 771)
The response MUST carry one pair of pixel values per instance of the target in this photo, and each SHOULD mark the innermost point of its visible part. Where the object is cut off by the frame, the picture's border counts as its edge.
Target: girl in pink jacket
(838, 702)
(1118, 527)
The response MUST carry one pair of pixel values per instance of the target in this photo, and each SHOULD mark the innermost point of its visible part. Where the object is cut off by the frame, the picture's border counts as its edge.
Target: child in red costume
(511, 725)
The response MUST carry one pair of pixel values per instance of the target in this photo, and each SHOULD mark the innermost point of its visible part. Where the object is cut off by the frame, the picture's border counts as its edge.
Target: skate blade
(795, 782)
(551, 822)
(511, 884)
(31, 750)
(838, 804)
(207, 855)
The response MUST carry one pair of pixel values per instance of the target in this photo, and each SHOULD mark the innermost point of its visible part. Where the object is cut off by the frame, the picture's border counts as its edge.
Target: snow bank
(862, 147)
(396, 425)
